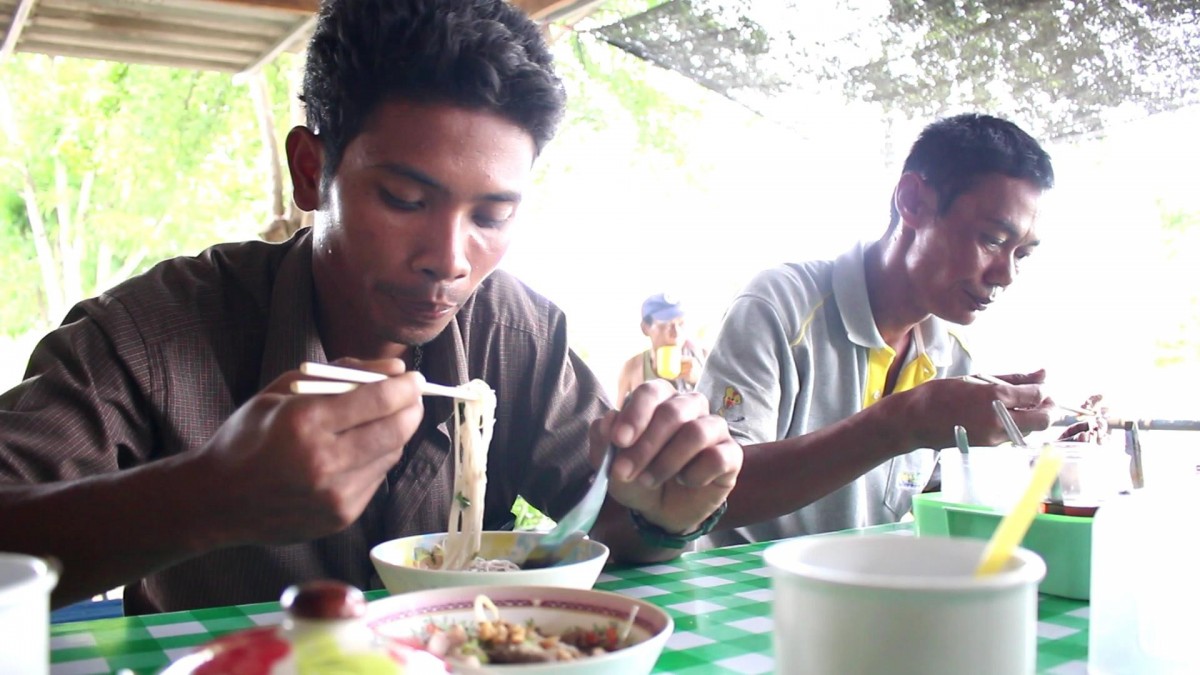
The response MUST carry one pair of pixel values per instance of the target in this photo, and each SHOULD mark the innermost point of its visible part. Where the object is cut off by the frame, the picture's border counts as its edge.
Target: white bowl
(395, 563)
(552, 609)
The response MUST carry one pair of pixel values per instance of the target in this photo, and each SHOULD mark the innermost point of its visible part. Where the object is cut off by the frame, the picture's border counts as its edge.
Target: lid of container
(270, 650)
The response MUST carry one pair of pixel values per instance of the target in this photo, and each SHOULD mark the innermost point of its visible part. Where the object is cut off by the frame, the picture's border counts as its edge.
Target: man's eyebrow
(504, 197)
(1010, 229)
(405, 171)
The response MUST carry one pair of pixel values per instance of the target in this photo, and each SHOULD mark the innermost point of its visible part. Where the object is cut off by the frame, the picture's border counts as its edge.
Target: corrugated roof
(224, 35)
(200, 34)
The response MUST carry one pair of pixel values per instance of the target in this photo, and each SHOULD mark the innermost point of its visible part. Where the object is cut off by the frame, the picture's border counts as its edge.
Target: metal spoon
(1009, 424)
(1014, 435)
(578, 520)
(1133, 447)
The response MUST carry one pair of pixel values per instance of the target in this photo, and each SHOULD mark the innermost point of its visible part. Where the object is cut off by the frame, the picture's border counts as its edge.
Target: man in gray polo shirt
(837, 376)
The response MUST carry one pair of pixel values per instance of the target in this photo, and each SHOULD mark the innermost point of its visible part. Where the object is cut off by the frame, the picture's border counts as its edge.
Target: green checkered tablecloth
(720, 600)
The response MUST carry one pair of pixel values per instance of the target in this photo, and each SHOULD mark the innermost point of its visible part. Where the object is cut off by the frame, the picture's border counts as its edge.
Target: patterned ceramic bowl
(552, 610)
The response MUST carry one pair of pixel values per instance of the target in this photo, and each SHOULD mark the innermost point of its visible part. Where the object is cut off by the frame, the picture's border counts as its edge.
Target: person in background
(838, 376)
(156, 443)
(672, 356)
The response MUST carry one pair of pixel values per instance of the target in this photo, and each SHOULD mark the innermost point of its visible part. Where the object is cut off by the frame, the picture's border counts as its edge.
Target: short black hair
(953, 153)
(476, 54)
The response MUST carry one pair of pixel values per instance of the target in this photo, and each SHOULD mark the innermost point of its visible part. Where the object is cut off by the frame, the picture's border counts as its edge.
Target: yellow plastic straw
(1013, 527)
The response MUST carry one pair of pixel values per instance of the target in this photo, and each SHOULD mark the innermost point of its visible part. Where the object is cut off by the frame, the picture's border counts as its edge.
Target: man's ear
(305, 156)
(645, 329)
(915, 200)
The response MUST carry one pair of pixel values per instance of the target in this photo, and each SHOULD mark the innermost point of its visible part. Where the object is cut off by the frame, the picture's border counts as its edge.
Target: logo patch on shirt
(909, 479)
(730, 402)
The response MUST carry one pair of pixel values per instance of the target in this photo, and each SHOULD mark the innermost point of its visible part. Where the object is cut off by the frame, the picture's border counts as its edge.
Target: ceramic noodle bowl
(396, 563)
(552, 610)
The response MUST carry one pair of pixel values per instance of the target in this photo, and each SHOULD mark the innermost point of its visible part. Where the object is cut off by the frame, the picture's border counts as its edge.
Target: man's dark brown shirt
(151, 369)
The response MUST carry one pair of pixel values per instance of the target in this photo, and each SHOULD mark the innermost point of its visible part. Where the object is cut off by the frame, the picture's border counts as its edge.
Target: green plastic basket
(1064, 542)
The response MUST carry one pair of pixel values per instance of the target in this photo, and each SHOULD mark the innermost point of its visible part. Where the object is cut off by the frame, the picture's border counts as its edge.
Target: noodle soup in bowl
(398, 563)
(621, 634)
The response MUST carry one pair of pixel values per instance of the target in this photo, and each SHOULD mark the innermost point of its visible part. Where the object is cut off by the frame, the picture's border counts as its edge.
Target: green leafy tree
(717, 44)
(608, 89)
(1058, 65)
(108, 167)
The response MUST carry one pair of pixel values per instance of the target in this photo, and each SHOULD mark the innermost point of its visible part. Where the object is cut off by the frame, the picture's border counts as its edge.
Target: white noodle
(497, 565)
(473, 424)
(627, 628)
(484, 604)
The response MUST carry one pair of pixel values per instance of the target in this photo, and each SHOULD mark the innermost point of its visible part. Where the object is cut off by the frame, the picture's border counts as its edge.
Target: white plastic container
(25, 585)
(901, 605)
(1145, 589)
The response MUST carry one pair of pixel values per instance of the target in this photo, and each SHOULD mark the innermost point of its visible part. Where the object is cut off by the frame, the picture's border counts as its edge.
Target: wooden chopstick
(431, 389)
(339, 380)
(322, 387)
(331, 372)
(991, 379)
(1078, 412)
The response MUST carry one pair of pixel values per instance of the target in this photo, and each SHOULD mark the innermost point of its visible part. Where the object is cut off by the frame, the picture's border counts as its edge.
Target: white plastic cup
(996, 476)
(899, 604)
(25, 585)
(1091, 473)
(1144, 590)
(1171, 460)
(987, 476)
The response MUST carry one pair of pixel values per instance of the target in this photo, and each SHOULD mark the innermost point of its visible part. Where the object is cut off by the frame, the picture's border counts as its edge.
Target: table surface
(720, 600)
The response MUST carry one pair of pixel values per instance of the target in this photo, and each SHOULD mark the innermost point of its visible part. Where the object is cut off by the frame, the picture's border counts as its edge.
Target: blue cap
(661, 307)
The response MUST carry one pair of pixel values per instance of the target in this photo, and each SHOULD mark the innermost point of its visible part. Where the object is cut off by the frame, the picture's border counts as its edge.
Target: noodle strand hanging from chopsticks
(473, 425)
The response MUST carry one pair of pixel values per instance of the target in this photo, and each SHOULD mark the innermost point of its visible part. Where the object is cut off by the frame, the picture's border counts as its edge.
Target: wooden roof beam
(302, 29)
(20, 18)
(547, 11)
(293, 6)
(539, 10)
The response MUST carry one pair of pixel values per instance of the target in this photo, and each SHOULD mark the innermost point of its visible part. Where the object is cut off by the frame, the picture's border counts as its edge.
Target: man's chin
(410, 337)
(961, 318)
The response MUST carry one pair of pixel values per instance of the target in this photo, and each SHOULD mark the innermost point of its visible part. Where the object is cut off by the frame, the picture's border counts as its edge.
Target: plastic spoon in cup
(1012, 528)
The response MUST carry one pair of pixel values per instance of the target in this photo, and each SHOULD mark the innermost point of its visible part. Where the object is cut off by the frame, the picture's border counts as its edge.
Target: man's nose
(1002, 272)
(443, 246)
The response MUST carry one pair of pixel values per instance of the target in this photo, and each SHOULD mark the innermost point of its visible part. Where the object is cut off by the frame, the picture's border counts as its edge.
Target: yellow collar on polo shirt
(915, 372)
